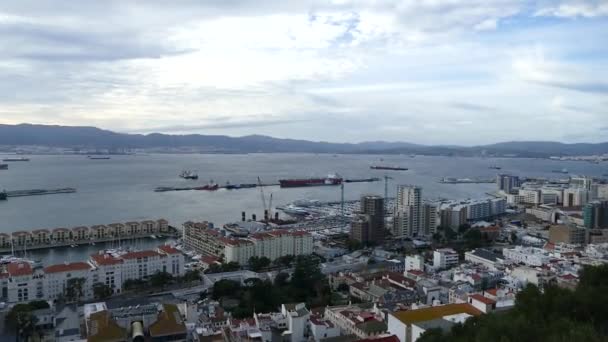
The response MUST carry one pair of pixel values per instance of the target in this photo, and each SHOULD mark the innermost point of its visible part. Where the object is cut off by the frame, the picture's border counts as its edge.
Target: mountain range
(95, 138)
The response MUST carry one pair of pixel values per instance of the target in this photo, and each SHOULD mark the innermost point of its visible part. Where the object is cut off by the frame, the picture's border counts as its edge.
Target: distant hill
(95, 138)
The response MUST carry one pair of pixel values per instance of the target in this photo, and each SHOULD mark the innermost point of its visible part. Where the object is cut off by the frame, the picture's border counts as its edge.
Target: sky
(463, 72)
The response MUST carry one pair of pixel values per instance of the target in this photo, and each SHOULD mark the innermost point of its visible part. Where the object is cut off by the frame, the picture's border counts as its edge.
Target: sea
(121, 189)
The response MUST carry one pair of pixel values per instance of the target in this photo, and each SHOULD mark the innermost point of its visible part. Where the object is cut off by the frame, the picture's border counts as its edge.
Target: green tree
(353, 245)
(192, 276)
(161, 279)
(224, 288)
(101, 291)
(21, 320)
(74, 289)
(258, 263)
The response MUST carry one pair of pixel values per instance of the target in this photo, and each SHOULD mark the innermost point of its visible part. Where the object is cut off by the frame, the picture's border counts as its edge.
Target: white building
(531, 256)
(531, 196)
(414, 262)
(575, 197)
(22, 284)
(484, 257)
(445, 258)
(321, 328)
(408, 211)
(59, 278)
(297, 319)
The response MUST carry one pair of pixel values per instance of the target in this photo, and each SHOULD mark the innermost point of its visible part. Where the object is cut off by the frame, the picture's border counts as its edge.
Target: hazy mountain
(95, 138)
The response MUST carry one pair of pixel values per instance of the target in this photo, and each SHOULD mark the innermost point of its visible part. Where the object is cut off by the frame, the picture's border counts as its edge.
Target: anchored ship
(3, 166)
(98, 158)
(3, 196)
(390, 168)
(332, 179)
(187, 174)
(495, 167)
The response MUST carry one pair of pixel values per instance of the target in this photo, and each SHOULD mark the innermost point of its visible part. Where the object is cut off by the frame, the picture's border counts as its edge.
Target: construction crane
(270, 207)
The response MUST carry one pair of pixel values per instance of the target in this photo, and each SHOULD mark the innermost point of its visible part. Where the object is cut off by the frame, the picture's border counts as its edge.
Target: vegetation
(21, 320)
(161, 279)
(258, 263)
(101, 291)
(556, 314)
(192, 276)
(225, 267)
(74, 289)
(353, 245)
(307, 285)
(285, 261)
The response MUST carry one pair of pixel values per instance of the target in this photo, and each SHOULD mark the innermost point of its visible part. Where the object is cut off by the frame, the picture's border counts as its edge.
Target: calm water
(121, 189)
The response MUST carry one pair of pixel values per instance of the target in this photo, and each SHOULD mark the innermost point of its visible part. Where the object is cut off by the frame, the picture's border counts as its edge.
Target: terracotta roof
(105, 259)
(4, 234)
(99, 226)
(20, 268)
(61, 230)
(21, 232)
(300, 233)
(103, 328)
(427, 314)
(40, 231)
(568, 277)
(493, 292)
(482, 299)
(80, 228)
(416, 272)
(169, 249)
(75, 266)
(169, 322)
(140, 254)
(207, 259)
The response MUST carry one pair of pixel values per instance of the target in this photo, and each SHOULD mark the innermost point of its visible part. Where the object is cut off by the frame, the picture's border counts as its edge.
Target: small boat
(153, 236)
(3, 166)
(495, 167)
(72, 245)
(188, 174)
(16, 159)
(560, 171)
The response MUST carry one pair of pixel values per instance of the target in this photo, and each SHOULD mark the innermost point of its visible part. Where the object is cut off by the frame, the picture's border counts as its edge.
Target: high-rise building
(575, 197)
(369, 225)
(595, 214)
(429, 219)
(408, 211)
(507, 183)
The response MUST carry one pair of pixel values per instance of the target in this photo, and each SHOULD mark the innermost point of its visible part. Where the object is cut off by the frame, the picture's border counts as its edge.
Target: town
(395, 270)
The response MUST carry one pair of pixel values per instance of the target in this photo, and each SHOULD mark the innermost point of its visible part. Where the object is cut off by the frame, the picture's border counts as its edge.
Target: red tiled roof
(4, 234)
(482, 299)
(568, 277)
(99, 226)
(169, 249)
(75, 266)
(20, 268)
(207, 259)
(80, 228)
(140, 254)
(21, 232)
(300, 233)
(60, 230)
(416, 272)
(105, 259)
(40, 231)
(493, 292)
(476, 277)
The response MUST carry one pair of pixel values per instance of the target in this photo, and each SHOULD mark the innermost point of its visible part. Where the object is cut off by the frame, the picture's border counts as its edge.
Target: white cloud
(575, 8)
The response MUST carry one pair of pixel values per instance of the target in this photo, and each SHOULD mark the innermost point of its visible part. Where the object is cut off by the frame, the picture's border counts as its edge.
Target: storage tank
(137, 332)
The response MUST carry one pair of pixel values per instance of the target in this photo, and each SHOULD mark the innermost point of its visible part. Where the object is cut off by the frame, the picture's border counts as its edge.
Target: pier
(38, 192)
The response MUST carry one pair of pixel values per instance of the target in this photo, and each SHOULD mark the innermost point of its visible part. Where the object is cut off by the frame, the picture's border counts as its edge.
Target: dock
(38, 192)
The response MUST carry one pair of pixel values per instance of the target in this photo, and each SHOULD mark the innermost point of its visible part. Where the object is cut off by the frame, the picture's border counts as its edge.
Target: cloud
(349, 70)
(575, 8)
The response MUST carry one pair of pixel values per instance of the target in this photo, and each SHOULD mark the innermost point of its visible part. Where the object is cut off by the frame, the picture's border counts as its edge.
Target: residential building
(369, 226)
(204, 239)
(444, 258)
(429, 220)
(531, 196)
(59, 278)
(595, 214)
(527, 255)
(507, 183)
(575, 197)
(360, 320)
(408, 210)
(484, 257)
(409, 325)
(567, 234)
(414, 262)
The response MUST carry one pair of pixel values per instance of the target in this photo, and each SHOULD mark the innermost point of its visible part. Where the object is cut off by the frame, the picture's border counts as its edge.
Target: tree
(285, 260)
(281, 279)
(102, 291)
(192, 276)
(343, 287)
(463, 228)
(160, 279)
(74, 289)
(353, 245)
(225, 287)
(21, 320)
(258, 263)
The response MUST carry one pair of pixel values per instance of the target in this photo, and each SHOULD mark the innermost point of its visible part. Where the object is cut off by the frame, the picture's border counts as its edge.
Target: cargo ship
(303, 182)
(208, 187)
(3, 166)
(239, 186)
(36, 192)
(390, 168)
(98, 158)
(16, 159)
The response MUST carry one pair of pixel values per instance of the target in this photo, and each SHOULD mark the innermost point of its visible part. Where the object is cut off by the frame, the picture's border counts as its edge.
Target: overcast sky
(424, 71)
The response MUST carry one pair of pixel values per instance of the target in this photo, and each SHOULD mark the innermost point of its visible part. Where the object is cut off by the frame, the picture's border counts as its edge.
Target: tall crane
(270, 208)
